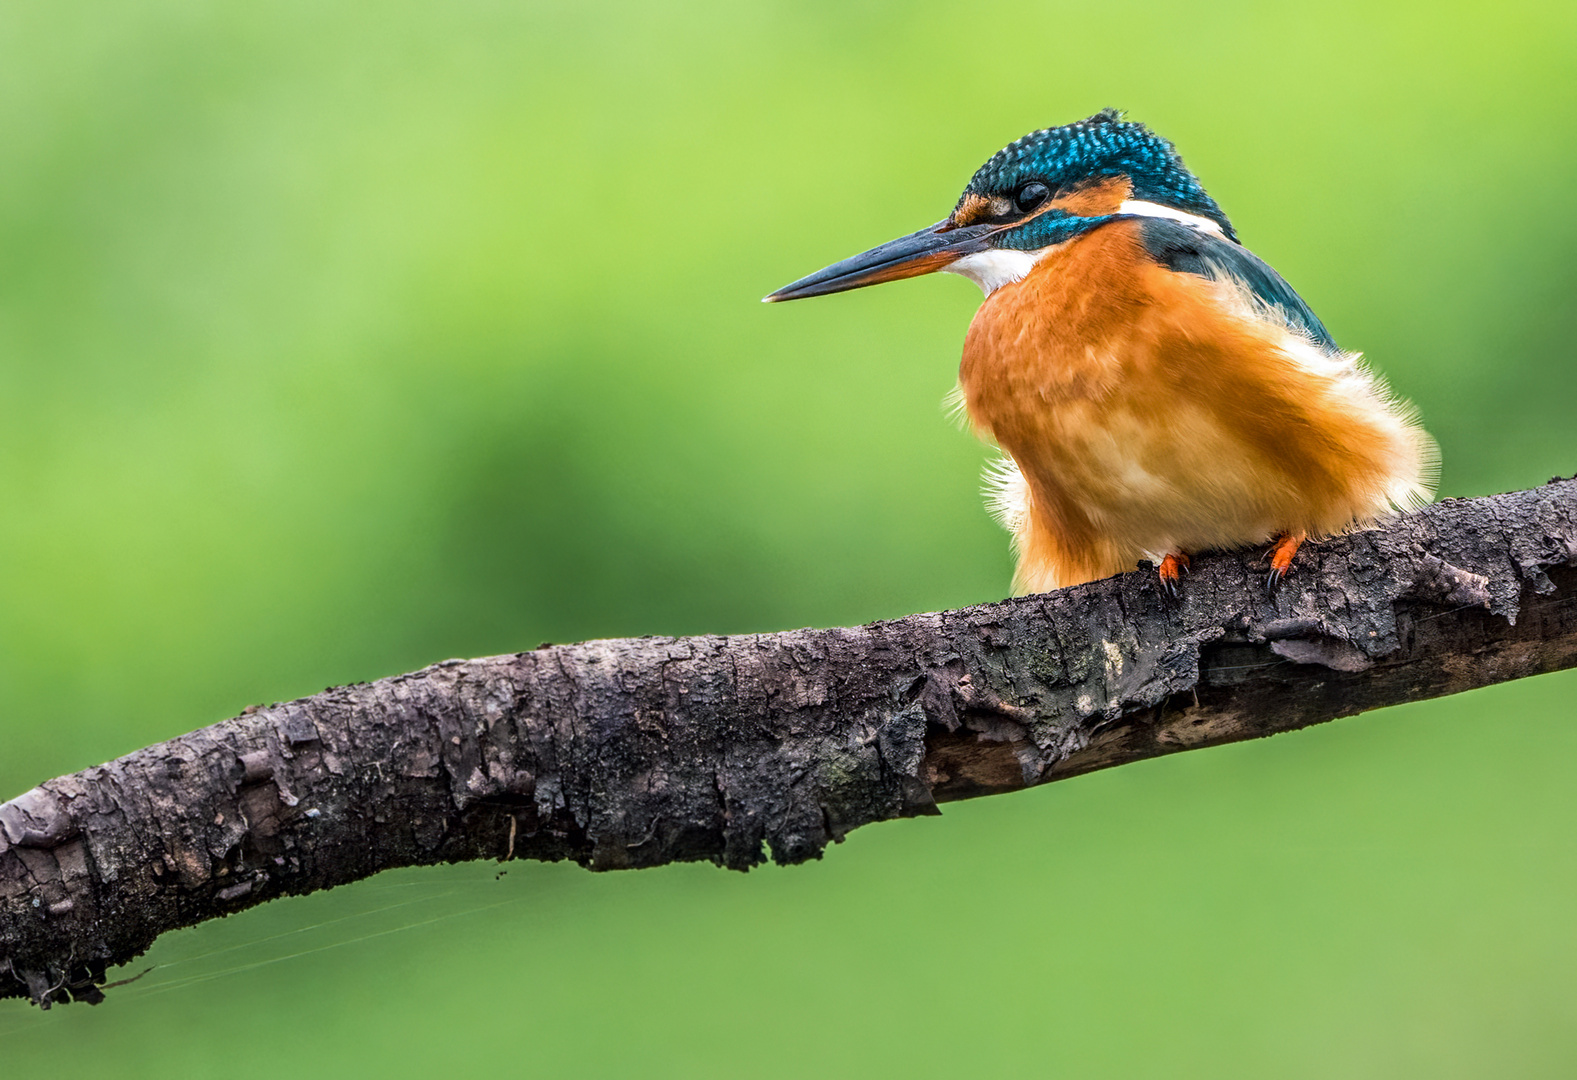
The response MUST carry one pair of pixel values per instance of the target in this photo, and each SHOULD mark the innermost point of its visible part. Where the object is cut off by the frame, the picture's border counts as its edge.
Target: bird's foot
(1172, 567)
(1281, 554)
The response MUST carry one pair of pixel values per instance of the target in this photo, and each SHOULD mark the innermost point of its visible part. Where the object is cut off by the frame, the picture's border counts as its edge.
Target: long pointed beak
(918, 253)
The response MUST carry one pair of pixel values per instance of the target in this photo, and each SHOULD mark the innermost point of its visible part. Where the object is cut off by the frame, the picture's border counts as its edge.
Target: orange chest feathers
(1056, 334)
(1150, 411)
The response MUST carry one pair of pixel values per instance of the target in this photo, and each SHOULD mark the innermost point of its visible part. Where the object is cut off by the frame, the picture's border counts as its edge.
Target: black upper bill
(918, 253)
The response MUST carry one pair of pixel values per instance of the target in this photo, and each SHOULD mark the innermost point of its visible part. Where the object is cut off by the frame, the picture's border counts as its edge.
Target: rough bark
(635, 753)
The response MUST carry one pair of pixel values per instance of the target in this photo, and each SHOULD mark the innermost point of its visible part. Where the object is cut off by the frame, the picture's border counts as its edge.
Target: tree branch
(640, 752)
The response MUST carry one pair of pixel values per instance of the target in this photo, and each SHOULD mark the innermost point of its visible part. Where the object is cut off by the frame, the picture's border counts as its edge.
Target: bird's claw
(1171, 568)
(1281, 556)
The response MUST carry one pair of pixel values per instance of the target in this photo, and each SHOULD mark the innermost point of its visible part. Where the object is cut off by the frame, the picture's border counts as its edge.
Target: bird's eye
(1030, 196)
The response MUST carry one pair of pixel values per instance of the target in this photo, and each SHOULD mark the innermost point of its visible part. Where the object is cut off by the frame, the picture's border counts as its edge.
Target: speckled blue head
(1104, 147)
(1044, 189)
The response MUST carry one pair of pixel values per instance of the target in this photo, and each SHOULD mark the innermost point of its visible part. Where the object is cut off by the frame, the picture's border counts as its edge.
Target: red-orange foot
(1287, 545)
(1172, 567)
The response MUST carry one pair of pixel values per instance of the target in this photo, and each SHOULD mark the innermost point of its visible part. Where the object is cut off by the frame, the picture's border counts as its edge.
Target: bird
(1156, 389)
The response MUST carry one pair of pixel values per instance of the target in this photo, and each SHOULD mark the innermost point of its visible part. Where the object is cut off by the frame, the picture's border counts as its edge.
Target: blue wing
(1188, 250)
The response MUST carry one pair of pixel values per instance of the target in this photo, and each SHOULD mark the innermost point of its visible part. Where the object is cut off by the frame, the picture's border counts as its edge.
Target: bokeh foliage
(335, 340)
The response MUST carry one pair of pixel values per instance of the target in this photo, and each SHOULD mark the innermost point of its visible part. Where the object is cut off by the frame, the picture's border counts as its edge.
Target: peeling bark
(633, 753)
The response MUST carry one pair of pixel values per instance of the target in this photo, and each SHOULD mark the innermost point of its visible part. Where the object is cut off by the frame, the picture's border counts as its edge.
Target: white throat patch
(995, 268)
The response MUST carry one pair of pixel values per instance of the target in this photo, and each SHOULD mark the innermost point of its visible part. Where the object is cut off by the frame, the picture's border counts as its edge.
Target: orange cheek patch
(1094, 200)
(1090, 200)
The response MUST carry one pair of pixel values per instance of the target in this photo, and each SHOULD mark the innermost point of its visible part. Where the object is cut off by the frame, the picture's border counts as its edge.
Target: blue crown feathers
(1105, 145)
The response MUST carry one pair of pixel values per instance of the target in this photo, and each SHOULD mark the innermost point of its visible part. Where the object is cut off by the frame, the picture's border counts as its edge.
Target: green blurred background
(336, 341)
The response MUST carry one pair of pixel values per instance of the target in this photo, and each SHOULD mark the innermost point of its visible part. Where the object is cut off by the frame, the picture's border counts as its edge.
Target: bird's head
(1034, 193)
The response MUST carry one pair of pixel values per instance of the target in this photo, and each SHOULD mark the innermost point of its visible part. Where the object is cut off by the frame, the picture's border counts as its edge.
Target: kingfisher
(1156, 389)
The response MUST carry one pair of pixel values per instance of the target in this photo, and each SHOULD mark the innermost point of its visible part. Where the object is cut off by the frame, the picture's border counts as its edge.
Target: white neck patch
(1140, 208)
(996, 267)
